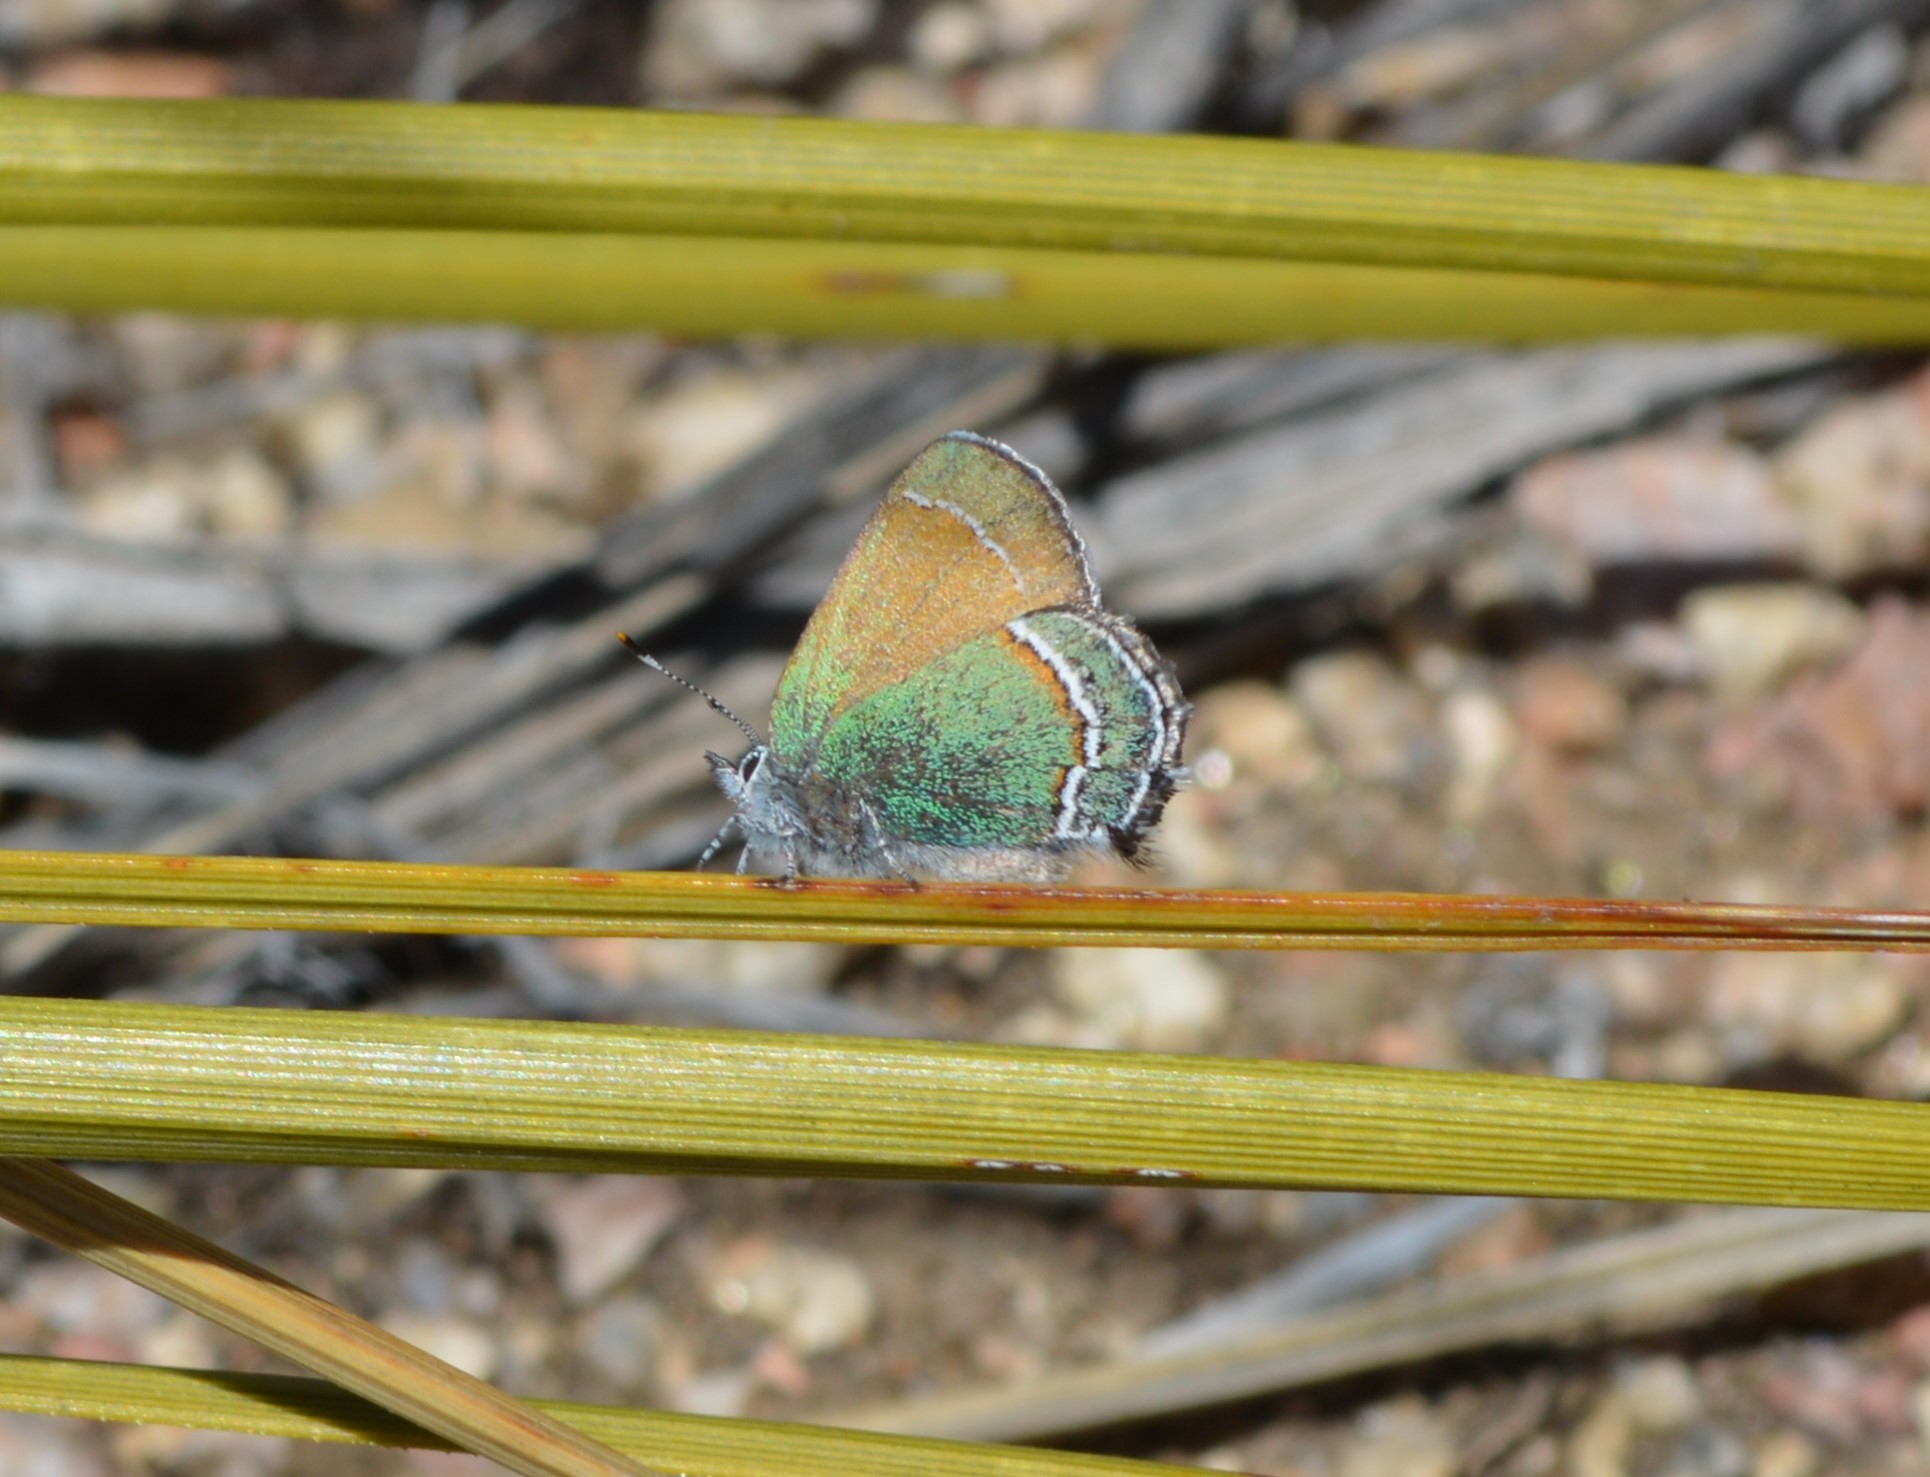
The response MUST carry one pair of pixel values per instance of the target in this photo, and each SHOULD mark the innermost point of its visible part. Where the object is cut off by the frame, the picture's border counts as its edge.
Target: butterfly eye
(749, 766)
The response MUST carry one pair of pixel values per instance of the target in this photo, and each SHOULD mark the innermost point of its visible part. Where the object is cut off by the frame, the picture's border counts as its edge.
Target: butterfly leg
(789, 879)
(790, 862)
(716, 844)
(878, 840)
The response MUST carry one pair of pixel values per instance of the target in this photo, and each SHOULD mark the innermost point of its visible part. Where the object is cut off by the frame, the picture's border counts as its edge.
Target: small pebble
(1055, 89)
(1565, 703)
(1402, 1438)
(1482, 742)
(425, 1277)
(1786, 1454)
(1750, 639)
(155, 74)
(619, 1338)
(1859, 478)
(722, 1392)
(244, 496)
(1898, 149)
(162, 353)
(151, 502)
(162, 1449)
(1819, 1386)
(337, 442)
(1599, 1445)
(1663, 500)
(1152, 1219)
(1910, 1335)
(815, 1300)
(181, 1340)
(896, 95)
(69, 1295)
(43, 24)
(1920, 1409)
(1660, 1393)
(726, 964)
(1264, 734)
(1708, 1450)
(1372, 719)
(1825, 1006)
(355, 1204)
(949, 35)
(1142, 999)
(528, 458)
(1021, 26)
(702, 46)
(527, 1343)
(603, 1226)
(701, 424)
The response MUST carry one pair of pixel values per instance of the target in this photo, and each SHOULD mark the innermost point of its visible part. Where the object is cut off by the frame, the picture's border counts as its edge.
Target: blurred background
(1628, 619)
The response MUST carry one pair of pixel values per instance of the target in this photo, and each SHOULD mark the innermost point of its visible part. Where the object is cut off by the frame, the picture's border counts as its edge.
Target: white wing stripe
(1155, 706)
(1082, 704)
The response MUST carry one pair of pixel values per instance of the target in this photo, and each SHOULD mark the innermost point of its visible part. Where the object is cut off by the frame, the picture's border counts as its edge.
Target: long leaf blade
(405, 897)
(108, 1081)
(257, 162)
(713, 285)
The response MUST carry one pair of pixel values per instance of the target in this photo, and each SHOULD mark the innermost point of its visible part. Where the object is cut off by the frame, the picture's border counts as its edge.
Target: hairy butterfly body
(960, 706)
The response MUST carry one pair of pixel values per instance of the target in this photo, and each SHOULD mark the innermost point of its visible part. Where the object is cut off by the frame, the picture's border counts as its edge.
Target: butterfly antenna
(656, 666)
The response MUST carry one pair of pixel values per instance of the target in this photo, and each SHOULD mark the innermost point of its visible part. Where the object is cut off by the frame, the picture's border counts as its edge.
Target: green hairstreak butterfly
(960, 706)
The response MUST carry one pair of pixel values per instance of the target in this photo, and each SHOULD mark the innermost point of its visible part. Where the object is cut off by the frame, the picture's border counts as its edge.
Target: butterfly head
(765, 800)
(745, 782)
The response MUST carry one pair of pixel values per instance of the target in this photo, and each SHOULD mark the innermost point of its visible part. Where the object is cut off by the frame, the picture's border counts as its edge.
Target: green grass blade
(706, 286)
(403, 897)
(345, 164)
(106, 1081)
(702, 1446)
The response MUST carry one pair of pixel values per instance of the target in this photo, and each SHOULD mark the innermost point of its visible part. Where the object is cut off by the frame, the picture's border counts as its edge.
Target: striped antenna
(656, 666)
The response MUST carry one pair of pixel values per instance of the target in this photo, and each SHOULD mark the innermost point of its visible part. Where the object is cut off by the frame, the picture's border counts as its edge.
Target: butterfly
(960, 705)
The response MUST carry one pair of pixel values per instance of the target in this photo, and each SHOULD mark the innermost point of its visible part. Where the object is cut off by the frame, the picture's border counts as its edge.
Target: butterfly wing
(968, 537)
(1058, 728)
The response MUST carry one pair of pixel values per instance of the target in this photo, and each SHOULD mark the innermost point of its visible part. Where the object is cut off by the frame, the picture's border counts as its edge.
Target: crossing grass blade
(81, 1217)
(700, 1446)
(1639, 1280)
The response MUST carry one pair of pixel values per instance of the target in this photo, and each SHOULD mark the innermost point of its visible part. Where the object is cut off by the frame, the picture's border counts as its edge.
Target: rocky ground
(1672, 644)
